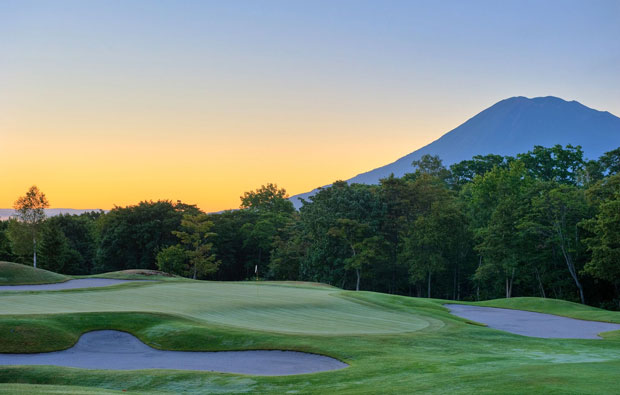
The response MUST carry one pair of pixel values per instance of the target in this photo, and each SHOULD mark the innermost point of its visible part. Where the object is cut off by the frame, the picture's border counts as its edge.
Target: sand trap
(532, 324)
(121, 351)
(71, 284)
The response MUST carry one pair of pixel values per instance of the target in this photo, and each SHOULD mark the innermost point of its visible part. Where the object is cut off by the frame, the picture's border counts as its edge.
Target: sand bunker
(121, 351)
(71, 284)
(532, 324)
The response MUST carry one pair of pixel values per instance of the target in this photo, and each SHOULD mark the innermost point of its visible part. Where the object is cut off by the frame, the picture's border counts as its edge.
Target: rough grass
(18, 274)
(378, 335)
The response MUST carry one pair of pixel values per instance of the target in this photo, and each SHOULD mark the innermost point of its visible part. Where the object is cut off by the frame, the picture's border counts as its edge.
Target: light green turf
(394, 344)
(18, 274)
(264, 307)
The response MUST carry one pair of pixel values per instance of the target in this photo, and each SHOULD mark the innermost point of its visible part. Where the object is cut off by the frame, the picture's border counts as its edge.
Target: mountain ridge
(508, 127)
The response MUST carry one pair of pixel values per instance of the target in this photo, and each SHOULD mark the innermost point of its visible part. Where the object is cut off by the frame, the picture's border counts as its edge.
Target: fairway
(264, 307)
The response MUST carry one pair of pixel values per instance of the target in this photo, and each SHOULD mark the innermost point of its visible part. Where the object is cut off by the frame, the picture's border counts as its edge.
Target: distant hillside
(510, 127)
(6, 213)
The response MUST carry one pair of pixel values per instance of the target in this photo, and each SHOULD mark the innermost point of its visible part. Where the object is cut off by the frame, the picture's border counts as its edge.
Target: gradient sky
(107, 103)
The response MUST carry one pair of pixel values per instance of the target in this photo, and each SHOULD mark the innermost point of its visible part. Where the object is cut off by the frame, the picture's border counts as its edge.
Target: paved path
(532, 324)
(121, 351)
(71, 284)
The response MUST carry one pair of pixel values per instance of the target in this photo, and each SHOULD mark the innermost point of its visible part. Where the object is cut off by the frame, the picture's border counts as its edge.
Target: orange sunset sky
(110, 103)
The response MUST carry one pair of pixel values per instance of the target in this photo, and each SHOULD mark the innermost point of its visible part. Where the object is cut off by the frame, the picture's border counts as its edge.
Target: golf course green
(393, 344)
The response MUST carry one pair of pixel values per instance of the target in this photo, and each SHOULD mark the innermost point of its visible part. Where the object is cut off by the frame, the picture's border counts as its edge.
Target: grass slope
(18, 274)
(393, 344)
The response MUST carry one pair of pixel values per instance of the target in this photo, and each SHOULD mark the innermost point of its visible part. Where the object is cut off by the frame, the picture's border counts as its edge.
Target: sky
(106, 103)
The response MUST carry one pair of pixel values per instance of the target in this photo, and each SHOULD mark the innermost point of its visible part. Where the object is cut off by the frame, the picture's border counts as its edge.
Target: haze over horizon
(112, 103)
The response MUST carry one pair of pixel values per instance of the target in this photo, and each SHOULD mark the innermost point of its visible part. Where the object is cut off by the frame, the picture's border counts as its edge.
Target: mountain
(509, 127)
(6, 213)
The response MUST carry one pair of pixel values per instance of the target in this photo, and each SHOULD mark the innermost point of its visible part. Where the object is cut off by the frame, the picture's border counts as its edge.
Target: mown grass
(420, 346)
(18, 274)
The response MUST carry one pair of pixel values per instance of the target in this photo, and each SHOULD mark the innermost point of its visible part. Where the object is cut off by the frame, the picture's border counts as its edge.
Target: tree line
(544, 223)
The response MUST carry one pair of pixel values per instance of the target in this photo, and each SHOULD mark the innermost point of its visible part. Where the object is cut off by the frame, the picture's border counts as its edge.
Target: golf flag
(255, 269)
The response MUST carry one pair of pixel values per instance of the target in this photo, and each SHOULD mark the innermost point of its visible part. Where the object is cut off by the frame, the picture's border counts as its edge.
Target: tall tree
(555, 216)
(604, 243)
(563, 165)
(497, 200)
(273, 213)
(196, 237)
(610, 161)
(6, 253)
(55, 252)
(31, 211)
(465, 171)
(431, 165)
(354, 234)
(130, 237)
(267, 198)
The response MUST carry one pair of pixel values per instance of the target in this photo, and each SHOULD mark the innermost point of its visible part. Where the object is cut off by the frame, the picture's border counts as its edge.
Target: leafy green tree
(196, 237)
(328, 257)
(497, 200)
(465, 171)
(435, 240)
(559, 164)
(80, 232)
(288, 251)
(6, 253)
(55, 252)
(354, 234)
(267, 198)
(130, 237)
(431, 165)
(230, 245)
(398, 212)
(274, 212)
(555, 215)
(610, 161)
(20, 240)
(30, 210)
(604, 242)
(174, 259)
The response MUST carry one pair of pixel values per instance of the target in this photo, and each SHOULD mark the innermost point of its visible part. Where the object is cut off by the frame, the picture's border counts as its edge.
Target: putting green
(264, 307)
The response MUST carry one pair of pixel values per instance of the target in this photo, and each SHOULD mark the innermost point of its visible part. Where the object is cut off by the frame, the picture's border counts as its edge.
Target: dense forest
(544, 223)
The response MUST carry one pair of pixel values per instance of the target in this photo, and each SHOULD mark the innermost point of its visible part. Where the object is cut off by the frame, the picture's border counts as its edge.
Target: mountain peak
(511, 126)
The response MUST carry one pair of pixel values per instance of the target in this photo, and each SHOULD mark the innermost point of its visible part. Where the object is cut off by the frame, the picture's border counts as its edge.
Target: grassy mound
(18, 274)
(137, 274)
